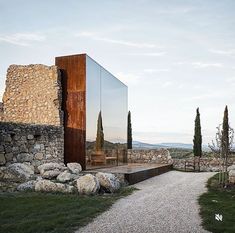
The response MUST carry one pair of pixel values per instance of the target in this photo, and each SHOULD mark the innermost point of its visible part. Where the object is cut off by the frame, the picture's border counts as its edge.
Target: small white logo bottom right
(219, 217)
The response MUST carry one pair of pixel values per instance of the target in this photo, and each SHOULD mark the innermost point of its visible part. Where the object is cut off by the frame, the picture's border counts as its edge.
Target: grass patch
(54, 213)
(218, 201)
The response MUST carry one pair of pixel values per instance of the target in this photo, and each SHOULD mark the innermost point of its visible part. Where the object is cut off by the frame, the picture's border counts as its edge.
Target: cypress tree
(197, 141)
(225, 134)
(129, 131)
(225, 146)
(99, 144)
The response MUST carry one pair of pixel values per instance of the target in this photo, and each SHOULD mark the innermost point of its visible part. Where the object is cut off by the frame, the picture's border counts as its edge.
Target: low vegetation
(218, 201)
(178, 153)
(54, 213)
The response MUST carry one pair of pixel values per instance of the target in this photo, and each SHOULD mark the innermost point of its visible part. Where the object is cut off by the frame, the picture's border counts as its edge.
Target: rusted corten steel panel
(73, 75)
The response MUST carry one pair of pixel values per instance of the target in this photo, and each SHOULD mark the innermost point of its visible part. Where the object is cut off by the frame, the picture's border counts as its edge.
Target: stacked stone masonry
(206, 164)
(31, 116)
(160, 156)
(33, 95)
(31, 144)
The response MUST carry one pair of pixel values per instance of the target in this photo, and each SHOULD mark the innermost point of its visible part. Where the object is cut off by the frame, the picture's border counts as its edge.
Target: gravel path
(165, 203)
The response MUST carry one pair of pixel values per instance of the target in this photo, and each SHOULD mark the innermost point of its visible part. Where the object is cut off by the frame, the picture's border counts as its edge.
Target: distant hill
(142, 145)
(107, 145)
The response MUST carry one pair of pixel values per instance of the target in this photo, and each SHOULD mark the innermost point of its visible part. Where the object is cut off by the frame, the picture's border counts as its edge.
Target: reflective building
(95, 113)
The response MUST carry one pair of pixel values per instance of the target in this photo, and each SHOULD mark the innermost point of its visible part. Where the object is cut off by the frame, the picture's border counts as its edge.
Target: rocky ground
(55, 177)
(165, 203)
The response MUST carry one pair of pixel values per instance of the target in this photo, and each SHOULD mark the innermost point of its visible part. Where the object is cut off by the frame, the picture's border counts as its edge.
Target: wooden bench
(112, 159)
(99, 158)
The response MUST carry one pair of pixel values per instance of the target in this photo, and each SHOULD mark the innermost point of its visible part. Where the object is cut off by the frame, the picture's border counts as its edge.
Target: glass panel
(93, 86)
(114, 113)
(106, 116)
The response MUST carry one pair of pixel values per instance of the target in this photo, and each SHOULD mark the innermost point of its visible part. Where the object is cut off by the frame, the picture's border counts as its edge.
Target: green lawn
(58, 213)
(218, 201)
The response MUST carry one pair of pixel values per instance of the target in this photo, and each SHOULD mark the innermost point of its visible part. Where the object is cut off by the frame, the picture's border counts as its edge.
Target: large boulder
(51, 170)
(88, 184)
(50, 174)
(49, 186)
(16, 172)
(232, 167)
(2, 159)
(65, 176)
(51, 166)
(231, 176)
(108, 181)
(75, 168)
(24, 157)
(27, 186)
(13, 175)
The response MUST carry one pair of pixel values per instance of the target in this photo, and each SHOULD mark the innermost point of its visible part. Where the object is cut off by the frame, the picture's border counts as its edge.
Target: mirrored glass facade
(106, 117)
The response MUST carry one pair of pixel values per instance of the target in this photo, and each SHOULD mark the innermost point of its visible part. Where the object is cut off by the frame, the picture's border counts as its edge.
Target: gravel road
(165, 203)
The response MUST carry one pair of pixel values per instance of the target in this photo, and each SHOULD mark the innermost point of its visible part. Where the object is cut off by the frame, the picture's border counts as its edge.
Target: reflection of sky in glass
(114, 107)
(92, 97)
(104, 91)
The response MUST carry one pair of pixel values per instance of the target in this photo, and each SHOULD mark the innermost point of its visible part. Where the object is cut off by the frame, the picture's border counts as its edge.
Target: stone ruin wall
(160, 156)
(33, 95)
(31, 126)
(31, 144)
(207, 164)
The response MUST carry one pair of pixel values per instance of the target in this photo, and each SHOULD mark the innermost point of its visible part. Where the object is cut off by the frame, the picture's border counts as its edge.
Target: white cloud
(88, 34)
(93, 36)
(176, 10)
(22, 39)
(151, 71)
(211, 95)
(231, 80)
(167, 84)
(200, 64)
(151, 54)
(223, 52)
(206, 65)
(128, 78)
(181, 86)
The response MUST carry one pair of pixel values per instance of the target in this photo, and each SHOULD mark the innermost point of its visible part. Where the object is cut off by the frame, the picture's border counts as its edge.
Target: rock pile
(231, 173)
(55, 177)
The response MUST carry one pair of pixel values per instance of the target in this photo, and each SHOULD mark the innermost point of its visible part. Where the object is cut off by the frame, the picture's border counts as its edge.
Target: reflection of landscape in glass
(107, 94)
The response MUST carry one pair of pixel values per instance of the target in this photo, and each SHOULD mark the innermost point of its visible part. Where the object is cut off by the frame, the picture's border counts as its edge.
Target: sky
(174, 56)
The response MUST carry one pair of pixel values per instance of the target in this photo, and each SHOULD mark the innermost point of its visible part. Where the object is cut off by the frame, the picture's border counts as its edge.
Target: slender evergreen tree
(225, 134)
(99, 144)
(225, 146)
(197, 141)
(129, 131)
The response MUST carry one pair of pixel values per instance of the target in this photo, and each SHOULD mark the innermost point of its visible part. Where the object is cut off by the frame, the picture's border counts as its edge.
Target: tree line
(222, 145)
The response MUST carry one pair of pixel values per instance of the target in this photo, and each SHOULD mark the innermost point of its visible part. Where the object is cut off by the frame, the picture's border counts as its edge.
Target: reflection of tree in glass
(99, 144)
(129, 132)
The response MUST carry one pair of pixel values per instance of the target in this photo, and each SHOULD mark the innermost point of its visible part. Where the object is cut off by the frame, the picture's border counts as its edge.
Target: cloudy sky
(174, 56)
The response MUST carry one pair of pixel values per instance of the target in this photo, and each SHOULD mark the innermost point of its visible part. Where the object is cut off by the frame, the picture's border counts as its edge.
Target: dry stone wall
(206, 164)
(160, 156)
(33, 95)
(31, 126)
(31, 144)
(1, 111)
